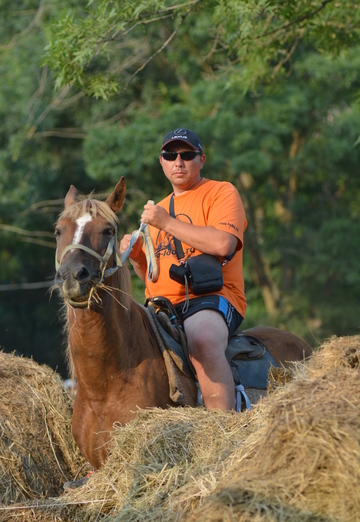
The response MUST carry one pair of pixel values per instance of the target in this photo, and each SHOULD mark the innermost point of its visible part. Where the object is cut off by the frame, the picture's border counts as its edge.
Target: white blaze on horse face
(81, 222)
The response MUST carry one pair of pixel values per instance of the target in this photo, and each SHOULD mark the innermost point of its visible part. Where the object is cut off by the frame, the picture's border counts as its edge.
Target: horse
(113, 349)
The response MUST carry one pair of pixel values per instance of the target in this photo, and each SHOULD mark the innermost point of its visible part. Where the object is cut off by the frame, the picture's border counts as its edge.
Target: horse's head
(86, 244)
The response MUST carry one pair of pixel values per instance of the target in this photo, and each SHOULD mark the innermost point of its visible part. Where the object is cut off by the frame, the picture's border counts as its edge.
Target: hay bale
(37, 452)
(294, 457)
(305, 457)
(304, 461)
(343, 352)
(334, 353)
(160, 453)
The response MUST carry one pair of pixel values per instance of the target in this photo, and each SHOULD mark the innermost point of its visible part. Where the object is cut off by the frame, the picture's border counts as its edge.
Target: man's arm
(137, 266)
(206, 239)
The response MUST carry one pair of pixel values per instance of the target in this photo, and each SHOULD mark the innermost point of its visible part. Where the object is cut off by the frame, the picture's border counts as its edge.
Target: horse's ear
(71, 197)
(116, 198)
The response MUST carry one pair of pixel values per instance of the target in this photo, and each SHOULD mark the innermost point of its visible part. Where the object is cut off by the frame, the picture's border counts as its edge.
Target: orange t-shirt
(211, 203)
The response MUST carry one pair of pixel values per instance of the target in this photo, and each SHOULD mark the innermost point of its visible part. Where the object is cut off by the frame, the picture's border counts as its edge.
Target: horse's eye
(57, 233)
(108, 232)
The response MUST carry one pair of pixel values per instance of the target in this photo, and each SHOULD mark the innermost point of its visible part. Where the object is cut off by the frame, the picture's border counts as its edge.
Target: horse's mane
(93, 206)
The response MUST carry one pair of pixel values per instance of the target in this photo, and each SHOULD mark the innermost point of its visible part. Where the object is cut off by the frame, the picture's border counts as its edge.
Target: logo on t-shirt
(165, 243)
(165, 246)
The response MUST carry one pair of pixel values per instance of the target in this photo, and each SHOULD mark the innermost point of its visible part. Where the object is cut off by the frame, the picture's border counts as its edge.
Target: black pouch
(204, 274)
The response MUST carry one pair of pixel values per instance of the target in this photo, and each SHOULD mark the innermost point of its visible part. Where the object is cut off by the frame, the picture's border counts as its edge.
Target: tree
(283, 131)
(102, 47)
(34, 174)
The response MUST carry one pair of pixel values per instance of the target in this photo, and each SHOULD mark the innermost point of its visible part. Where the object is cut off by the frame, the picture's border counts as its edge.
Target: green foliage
(251, 40)
(108, 38)
(279, 120)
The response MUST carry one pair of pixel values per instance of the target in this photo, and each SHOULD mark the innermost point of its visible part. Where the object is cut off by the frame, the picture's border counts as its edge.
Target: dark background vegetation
(272, 88)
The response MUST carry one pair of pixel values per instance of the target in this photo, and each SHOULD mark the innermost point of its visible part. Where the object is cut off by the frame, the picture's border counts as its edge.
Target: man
(209, 218)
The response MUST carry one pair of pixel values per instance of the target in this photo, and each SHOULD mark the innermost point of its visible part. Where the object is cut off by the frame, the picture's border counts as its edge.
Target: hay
(305, 457)
(294, 457)
(337, 352)
(37, 452)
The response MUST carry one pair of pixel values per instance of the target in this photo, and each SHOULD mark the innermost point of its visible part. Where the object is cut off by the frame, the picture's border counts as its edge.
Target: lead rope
(144, 233)
(150, 255)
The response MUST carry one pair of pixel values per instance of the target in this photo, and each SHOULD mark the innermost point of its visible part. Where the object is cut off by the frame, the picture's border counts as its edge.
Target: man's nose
(179, 160)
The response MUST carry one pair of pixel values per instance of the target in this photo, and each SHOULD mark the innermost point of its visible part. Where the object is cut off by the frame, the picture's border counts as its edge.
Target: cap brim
(178, 139)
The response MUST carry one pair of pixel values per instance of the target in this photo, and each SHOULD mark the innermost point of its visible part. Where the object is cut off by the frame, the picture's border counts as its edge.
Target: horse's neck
(109, 340)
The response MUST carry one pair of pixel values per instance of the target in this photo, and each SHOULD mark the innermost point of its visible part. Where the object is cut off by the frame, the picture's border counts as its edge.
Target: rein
(144, 233)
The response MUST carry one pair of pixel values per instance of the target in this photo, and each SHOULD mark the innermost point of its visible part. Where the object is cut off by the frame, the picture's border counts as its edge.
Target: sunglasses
(187, 155)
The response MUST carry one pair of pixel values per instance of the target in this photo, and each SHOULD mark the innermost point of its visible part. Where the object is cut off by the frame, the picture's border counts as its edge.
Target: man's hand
(156, 216)
(135, 252)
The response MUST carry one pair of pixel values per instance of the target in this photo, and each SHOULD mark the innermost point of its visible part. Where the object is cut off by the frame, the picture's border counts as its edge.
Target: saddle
(249, 359)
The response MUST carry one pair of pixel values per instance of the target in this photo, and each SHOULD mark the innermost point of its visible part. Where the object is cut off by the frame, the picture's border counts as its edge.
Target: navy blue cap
(184, 135)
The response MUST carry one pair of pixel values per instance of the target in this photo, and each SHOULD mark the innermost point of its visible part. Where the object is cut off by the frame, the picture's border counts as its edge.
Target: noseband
(111, 250)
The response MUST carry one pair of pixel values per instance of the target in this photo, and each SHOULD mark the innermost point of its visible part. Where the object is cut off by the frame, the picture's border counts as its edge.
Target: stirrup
(242, 401)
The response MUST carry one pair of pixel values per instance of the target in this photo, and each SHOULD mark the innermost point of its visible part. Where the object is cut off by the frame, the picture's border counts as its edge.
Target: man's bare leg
(207, 337)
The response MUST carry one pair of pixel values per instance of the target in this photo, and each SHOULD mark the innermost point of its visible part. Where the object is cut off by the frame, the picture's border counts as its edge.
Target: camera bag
(204, 274)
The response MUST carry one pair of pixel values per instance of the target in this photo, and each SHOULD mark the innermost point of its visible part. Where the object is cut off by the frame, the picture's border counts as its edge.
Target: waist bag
(204, 274)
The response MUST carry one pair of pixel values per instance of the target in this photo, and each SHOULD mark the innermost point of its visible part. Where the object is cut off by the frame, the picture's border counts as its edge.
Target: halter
(111, 249)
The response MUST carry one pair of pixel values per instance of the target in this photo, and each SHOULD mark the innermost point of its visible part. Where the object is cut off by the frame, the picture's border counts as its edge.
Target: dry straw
(37, 452)
(294, 457)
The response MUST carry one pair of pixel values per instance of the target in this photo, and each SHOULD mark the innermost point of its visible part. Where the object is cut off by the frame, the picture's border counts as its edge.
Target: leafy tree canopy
(101, 46)
(272, 89)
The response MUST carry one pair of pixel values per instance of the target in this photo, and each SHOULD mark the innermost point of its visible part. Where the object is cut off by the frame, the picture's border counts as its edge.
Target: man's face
(182, 174)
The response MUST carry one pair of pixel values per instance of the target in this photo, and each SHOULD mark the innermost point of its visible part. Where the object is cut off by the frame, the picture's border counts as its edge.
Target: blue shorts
(213, 302)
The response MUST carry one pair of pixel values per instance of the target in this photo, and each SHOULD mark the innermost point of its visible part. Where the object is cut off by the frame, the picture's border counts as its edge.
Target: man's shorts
(213, 302)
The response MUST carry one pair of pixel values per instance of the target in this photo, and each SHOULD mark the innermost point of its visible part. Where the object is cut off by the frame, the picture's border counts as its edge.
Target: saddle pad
(175, 350)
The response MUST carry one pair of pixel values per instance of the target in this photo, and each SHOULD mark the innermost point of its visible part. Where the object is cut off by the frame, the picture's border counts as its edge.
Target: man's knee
(207, 334)
(203, 349)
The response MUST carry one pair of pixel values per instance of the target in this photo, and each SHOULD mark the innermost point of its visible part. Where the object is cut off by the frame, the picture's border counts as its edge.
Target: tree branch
(297, 20)
(25, 286)
(29, 28)
(173, 34)
(23, 232)
(30, 236)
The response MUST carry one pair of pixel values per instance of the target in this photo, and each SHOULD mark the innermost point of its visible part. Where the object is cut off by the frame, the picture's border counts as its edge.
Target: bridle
(143, 232)
(111, 250)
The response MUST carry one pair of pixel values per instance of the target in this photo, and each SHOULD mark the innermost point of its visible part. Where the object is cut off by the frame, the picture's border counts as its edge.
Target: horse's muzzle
(75, 282)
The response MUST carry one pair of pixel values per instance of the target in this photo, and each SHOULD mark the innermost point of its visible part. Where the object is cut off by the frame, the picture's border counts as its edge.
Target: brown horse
(118, 364)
